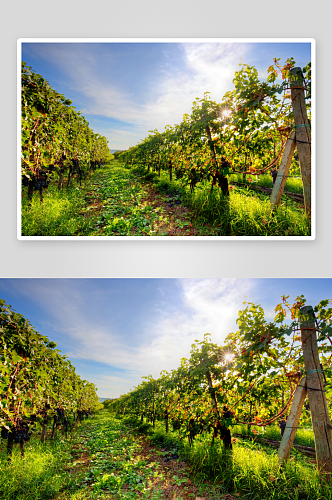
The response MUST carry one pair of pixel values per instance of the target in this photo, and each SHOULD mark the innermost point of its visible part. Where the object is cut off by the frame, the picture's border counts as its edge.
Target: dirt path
(139, 209)
(110, 460)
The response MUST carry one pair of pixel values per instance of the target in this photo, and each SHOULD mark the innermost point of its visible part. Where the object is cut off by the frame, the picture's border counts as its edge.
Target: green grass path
(108, 458)
(117, 201)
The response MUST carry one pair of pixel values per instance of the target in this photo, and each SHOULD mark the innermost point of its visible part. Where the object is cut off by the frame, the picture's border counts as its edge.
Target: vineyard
(56, 140)
(263, 373)
(224, 164)
(39, 388)
(247, 419)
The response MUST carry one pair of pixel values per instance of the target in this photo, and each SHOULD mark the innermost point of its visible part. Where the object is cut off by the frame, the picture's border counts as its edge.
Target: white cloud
(204, 305)
(212, 306)
(208, 67)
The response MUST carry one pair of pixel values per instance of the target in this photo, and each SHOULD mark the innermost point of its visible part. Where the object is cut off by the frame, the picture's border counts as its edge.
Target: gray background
(159, 18)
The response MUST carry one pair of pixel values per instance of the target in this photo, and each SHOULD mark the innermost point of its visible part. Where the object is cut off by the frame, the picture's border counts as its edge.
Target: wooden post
(292, 421)
(303, 134)
(283, 170)
(316, 393)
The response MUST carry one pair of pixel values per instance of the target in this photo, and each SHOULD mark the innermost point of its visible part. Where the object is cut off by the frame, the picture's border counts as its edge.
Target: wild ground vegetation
(113, 458)
(118, 201)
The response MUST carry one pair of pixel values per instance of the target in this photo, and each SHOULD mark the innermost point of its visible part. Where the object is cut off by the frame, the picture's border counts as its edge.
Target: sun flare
(226, 113)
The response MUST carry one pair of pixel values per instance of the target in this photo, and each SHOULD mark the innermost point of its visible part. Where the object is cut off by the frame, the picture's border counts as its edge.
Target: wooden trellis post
(299, 138)
(283, 170)
(303, 134)
(292, 421)
(316, 393)
(312, 385)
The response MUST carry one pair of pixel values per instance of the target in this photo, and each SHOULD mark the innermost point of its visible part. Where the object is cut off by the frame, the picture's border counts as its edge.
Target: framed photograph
(164, 139)
(120, 376)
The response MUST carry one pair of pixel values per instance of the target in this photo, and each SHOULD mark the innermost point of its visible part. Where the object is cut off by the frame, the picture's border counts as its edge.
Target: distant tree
(107, 403)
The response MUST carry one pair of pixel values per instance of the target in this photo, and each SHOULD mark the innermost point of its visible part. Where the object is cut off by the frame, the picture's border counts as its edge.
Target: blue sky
(126, 89)
(117, 330)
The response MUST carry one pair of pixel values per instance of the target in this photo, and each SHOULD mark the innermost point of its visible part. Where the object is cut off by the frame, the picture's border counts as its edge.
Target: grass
(117, 201)
(293, 184)
(56, 216)
(111, 202)
(247, 214)
(250, 470)
(304, 437)
(39, 475)
(119, 459)
(126, 208)
(254, 472)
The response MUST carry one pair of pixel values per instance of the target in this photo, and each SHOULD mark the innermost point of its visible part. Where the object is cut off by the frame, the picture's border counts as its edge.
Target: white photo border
(312, 41)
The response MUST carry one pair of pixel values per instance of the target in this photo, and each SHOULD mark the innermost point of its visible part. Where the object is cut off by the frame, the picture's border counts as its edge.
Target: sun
(228, 356)
(226, 113)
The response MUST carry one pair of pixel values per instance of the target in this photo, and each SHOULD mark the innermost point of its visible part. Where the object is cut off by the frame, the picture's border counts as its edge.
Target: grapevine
(56, 140)
(37, 382)
(255, 373)
(245, 133)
